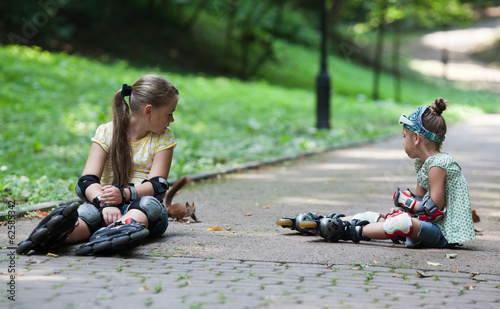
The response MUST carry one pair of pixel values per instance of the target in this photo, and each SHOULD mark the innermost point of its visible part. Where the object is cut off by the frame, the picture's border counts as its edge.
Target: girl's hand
(111, 214)
(110, 196)
(395, 210)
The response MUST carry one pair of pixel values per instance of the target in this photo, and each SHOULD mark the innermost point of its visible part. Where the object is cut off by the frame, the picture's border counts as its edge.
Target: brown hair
(433, 121)
(149, 89)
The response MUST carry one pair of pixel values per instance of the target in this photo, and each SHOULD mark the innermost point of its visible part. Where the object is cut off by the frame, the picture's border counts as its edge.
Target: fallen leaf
(434, 263)
(52, 255)
(267, 207)
(34, 261)
(36, 214)
(421, 274)
(474, 273)
(41, 214)
(451, 255)
(248, 214)
(469, 287)
(144, 288)
(215, 228)
(479, 279)
(178, 255)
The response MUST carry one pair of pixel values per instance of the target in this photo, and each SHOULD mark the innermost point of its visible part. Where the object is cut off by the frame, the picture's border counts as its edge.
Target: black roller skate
(115, 237)
(52, 231)
(332, 228)
(295, 223)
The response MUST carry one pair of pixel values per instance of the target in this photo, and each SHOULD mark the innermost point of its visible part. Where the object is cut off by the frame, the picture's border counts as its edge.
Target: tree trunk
(377, 62)
(395, 60)
(335, 13)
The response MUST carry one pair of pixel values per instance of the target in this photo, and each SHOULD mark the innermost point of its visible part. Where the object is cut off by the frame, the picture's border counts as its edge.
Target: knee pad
(398, 224)
(369, 216)
(91, 215)
(150, 206)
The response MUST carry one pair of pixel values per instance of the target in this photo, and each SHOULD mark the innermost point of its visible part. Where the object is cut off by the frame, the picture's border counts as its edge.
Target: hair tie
(126, 90)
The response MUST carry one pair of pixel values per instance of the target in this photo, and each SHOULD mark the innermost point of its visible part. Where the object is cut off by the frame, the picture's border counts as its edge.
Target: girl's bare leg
(80, 233)
(137, 215)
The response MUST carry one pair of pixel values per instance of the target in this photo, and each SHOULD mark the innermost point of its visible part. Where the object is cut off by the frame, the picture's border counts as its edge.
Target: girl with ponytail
(125, 178)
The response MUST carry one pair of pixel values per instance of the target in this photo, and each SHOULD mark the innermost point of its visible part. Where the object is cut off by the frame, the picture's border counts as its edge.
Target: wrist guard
(133, 192)
(405, 200)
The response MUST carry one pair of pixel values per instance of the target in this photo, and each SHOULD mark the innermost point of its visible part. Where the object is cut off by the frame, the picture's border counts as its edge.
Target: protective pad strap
(83, 183)
(150, 206)
(398, 224)
(427, 210)
(160, 185)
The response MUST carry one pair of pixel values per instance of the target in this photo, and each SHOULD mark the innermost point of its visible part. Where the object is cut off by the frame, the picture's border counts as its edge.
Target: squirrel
(179, 211)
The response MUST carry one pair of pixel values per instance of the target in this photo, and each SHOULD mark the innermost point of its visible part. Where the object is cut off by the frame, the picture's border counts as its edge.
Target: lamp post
(323, 80)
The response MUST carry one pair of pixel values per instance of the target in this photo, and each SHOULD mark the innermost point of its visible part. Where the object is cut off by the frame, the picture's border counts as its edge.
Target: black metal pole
(323, 80)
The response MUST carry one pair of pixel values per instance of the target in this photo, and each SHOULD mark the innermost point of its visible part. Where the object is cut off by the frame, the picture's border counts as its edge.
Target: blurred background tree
(231, 37)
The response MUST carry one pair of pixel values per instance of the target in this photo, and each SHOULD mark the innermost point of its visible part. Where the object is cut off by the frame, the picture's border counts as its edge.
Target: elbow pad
(160, 186)
(427, 210)
(83, 183)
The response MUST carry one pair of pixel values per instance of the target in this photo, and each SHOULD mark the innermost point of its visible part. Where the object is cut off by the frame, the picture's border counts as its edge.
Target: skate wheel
(309, 225)
(83, 250)
(284, 222)
(120, 240)
(54, 222)
(24, 247)
(139, 235)
(101, 246)
(70, 208)
(39, 234)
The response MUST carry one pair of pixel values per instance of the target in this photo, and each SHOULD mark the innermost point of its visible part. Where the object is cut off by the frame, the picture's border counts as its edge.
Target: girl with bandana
(437, 215)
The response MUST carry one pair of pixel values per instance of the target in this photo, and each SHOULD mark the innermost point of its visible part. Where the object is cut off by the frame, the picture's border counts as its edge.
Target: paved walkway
(71, 282)
(252, 263)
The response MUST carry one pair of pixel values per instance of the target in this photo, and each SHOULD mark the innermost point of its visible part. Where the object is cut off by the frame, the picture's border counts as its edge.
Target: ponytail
(121, 153)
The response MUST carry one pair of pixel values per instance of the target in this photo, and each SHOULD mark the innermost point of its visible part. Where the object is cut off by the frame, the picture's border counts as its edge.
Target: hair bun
(438, 106)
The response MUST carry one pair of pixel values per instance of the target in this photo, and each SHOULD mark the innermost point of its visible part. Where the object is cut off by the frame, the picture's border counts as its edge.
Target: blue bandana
(414, 124)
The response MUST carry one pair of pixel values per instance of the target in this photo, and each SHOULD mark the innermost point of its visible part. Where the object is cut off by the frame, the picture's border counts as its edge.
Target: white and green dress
(456, 224)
